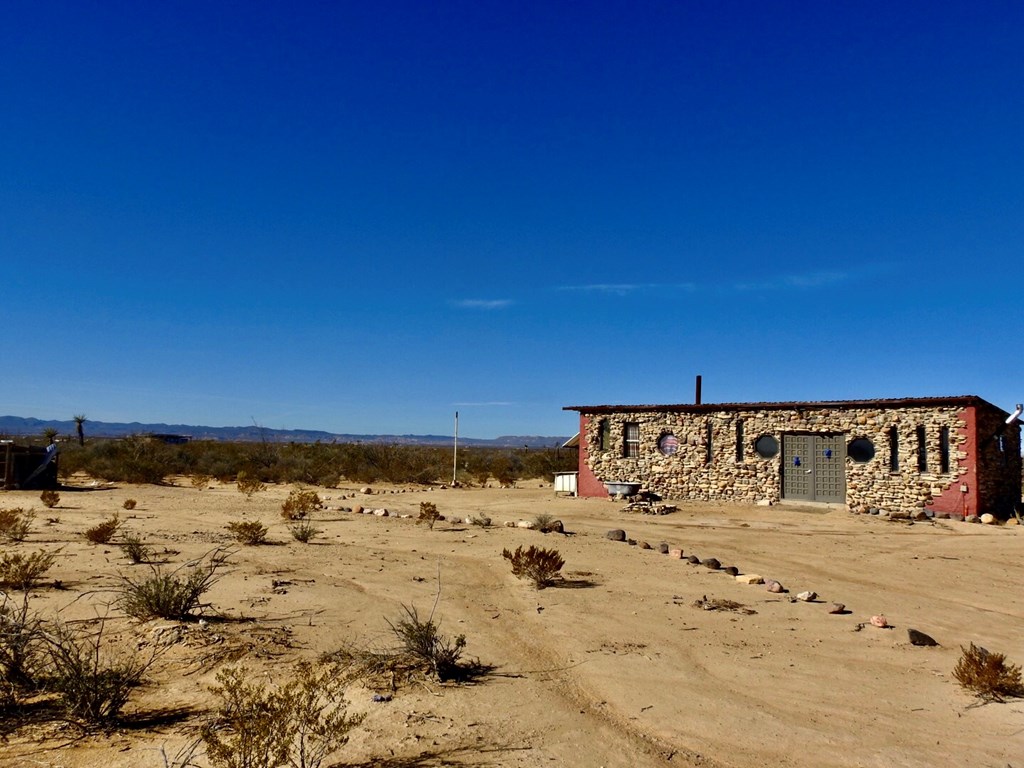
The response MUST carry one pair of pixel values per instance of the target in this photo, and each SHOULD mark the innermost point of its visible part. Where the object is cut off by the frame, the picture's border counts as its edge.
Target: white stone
(749, 578)
(526, 524)
(988, 519)
(807, 596)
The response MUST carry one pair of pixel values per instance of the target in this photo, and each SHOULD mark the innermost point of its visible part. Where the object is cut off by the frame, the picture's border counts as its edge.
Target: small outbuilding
(27, 467)
(957, 455)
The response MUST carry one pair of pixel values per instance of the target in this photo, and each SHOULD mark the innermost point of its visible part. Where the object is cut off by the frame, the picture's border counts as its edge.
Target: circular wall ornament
(668, 444)
(861, 449)
(766, 446)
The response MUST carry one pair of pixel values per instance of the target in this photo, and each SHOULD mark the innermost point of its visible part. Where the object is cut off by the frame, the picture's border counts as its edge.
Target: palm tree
(79, 421)
(50, 435)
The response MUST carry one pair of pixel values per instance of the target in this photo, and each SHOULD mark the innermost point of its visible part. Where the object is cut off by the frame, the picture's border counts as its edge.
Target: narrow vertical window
(605, 432)
(709, 448)
(922, 451)
(739, 439)
(894, 449)
(944, 450)
(631, 444)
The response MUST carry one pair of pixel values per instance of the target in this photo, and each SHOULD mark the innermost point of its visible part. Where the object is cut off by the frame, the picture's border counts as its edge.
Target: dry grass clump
(173, 594)
(297, 724)
(428, 514)
(130, 504)
(304, 531)
(987, 674)
(201, 481)
(102, 533)
(422, 641)
(248, 484)
(49, 498)
(300, 504)
(20, 571)
(135, 550)
(21, 649)
(535, 563)
(15, 524)
(248, 532)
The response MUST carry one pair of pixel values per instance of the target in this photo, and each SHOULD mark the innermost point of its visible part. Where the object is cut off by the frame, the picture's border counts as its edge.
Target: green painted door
(814, 467)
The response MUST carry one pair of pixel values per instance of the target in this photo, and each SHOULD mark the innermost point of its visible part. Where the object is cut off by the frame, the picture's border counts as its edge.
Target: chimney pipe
(697, 395)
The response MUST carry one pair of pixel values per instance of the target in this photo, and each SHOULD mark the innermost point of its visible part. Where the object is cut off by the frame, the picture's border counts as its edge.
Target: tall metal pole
(455, 455)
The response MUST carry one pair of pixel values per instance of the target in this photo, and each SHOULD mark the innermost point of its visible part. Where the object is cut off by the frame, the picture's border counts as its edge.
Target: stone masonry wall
(689, 475)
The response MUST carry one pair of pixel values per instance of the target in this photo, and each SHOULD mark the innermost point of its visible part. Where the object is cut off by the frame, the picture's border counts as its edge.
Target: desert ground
(615, 666)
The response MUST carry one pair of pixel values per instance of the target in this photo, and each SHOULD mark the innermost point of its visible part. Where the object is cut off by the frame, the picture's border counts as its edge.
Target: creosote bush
(422, 641)
(300, 504)
(15, 524)
(102, 533)
(249, 484)
(248, 532)
(49, 498)
(428, 514)
(130, 504)
(988, 675)
(172, 594)
(21, 571)
(297, 724)
(535, 563)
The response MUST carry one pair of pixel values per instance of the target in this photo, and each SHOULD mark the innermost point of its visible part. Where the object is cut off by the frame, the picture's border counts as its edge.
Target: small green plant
(49, 498)
(20, 571)
(174, 595)
(102, 533)
(987, 674)
(428, 514)
(300, 504)
(304, 531)
(535, 563)
(422, 641)
(130, 504)
(250, 485)
(297, 724)
(93, 682)
(15, 524)
(248, 532)
(134, 549)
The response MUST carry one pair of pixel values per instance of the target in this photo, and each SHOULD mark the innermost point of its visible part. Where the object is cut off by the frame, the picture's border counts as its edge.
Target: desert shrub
(428, 514)
(92, 681)
(22, 571)
(248, 532)
(297, 724)
(15, 524)
(300, 503)
(172, 594)
(987, 674)
(304, 531)
(422, 640)
(21, 646)
(249, 484)
(201, 481)
(543, 522)
(535, 563)
(130, 504)
(480, 520)
(49, 498)
(102, 533)
(134, 549)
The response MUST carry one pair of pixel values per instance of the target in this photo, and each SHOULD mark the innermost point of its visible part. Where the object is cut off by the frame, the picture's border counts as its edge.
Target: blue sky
(361, 217)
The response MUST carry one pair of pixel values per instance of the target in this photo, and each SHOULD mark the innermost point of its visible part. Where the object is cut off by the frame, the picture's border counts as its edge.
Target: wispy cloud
(486, 304)
(798, 282)
(622, 289)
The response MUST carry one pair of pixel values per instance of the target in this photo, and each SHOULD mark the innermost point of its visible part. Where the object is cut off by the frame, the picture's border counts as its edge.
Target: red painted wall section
(587, 483)
(953, 500)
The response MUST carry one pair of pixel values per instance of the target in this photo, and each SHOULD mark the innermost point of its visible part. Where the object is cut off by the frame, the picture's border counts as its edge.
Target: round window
(766, 446)
(861, 449)
(668, 444)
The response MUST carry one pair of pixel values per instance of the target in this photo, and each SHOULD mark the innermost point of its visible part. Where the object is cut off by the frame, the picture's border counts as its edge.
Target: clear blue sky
(363, 216)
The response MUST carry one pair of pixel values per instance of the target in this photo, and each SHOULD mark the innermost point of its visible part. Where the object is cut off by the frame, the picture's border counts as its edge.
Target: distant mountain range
(18, 426)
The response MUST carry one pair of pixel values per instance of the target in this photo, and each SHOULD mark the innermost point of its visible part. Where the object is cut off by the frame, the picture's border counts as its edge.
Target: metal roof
(901, 402)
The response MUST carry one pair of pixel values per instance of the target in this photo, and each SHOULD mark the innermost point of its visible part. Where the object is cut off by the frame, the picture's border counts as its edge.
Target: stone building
(954, 455)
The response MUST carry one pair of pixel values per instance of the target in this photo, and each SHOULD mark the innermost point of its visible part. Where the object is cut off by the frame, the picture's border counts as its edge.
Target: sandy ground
(614, 668)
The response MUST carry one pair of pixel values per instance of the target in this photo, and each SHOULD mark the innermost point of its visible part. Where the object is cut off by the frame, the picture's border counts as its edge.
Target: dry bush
(102, 533)
(297, 724)
(15, 524)
(535, 563)
(249, 485)
(21, 648)
(422, 641)
(23, 572)
(248, 532)
(50, 499)
(201, 481)
(300, 504)
(428, 514)
(987, 674)
(135, 550)
(304, 531)
(480, 520)
(174, 595)
(92, 681)
(130, 504)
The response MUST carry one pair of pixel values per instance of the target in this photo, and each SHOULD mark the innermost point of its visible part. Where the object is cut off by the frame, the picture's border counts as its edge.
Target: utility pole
(455, 455)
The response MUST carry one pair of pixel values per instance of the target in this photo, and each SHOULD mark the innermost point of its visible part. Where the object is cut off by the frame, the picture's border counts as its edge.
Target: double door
(814, 467)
